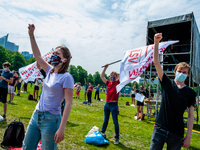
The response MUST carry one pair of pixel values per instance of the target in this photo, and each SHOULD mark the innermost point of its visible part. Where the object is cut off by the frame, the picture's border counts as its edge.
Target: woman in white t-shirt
(46, 123)
(133, 93)
(36, 88)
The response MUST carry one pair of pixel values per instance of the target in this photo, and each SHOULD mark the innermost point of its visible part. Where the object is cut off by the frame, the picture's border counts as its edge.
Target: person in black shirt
(176, 98)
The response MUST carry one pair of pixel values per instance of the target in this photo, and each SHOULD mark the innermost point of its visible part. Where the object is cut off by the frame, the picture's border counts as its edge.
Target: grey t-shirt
(53, 91)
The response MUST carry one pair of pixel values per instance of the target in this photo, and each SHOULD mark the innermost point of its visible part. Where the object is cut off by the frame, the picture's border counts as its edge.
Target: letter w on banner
(136, 61)
(31, 72)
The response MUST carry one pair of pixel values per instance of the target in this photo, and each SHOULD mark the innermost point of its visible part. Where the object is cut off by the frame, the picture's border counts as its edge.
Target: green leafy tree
(97, 78)
(90, 79)
(82, 73)
(73, 71)
(3, 55)
(31, 60)
(18, 61)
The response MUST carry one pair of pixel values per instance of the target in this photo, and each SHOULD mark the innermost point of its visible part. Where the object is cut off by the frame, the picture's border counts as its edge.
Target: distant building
(141, 80)
(8, 45)
(27, 55)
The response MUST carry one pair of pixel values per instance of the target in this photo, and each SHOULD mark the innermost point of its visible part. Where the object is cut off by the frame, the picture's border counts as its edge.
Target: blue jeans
(160, 136)
(113, 108)
(43, 125)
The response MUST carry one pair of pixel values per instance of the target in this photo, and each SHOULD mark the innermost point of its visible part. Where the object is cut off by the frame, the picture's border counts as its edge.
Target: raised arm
(35, 49)
(103, 74)
(157, 38)
(85, 80)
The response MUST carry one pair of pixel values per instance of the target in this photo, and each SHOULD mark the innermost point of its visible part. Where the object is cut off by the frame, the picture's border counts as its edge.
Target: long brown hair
(66, 54)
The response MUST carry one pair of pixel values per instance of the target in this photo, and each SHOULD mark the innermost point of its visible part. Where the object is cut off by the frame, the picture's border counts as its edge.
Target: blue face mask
(180, 77)
(112, 78)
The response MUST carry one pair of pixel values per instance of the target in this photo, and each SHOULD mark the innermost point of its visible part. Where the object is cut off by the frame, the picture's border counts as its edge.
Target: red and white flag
(136, 61)
(31, 72)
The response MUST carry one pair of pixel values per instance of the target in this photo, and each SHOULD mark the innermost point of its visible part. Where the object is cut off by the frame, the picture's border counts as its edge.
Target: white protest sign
(139, 97)
(31, 72)
(136, 61)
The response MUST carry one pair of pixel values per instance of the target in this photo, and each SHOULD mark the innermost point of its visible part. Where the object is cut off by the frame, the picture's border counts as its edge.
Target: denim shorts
(42, 126)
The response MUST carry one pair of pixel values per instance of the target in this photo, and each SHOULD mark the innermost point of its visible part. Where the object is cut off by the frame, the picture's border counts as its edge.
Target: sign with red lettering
(136, 61)
(31, 72)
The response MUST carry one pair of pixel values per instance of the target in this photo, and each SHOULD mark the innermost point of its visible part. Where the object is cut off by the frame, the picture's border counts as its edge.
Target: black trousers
(97, 95)
(89, 97)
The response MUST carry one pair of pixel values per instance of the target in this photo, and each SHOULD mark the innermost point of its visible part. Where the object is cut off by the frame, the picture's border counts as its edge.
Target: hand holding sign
(139, 97)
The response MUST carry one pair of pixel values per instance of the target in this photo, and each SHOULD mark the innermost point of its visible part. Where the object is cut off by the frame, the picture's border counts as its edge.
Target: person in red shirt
(111, 105)
(90, 89)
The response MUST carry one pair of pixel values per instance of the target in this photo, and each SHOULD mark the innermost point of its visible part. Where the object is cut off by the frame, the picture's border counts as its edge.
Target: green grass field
(134, 134)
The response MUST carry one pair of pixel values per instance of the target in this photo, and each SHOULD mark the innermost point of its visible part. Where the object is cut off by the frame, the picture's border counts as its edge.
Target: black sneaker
(4, 116)
(116, 141)
(103, 135)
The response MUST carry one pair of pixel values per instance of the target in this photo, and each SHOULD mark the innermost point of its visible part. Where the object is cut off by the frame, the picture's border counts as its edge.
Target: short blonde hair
(182, 65)
(115, 73)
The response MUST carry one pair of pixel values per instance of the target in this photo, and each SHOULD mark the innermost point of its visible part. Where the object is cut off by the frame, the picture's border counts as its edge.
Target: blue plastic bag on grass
(85, 102)
(96, 139)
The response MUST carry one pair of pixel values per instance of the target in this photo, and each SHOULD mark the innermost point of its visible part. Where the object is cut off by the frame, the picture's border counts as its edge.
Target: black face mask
(55, 60)
(141, 89)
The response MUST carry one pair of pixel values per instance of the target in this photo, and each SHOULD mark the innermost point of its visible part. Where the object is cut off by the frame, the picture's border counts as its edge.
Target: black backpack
(14, 134)
(30, 97)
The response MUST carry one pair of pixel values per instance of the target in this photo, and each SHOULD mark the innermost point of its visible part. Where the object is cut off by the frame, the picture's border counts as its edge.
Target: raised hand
(31, 28)
(157, 37)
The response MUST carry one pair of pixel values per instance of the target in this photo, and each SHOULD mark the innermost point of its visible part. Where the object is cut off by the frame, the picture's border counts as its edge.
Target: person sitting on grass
(111, 105)
(176, 98)
(46, 123)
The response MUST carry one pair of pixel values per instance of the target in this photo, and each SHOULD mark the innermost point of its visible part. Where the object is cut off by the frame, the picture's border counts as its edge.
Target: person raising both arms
(46, 123)
(176, 98)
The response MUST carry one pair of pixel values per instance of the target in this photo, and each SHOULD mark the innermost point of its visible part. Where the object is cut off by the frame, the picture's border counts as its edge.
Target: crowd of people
(46, 123)
(11, 83)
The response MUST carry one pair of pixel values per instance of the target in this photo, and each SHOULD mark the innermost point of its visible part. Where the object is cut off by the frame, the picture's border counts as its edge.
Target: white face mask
(4, 69)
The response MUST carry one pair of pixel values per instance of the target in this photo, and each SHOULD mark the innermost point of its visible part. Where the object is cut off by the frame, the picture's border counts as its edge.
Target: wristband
(31, 36)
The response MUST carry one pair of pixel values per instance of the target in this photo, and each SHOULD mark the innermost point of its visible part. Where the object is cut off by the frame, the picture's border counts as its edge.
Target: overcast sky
(96, 31)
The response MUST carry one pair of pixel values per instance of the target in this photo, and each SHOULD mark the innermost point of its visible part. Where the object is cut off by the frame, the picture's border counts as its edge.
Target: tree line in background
(17, 61)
